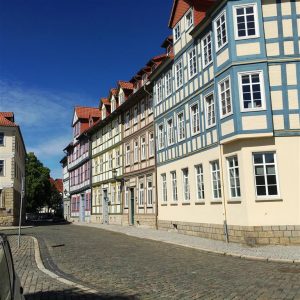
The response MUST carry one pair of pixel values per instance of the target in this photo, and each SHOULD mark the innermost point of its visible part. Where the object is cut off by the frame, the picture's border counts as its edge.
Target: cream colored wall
(248, 49)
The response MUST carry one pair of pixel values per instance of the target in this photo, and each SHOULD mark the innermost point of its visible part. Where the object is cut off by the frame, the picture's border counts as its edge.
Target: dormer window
(121, 98)
(76, 129)
(169, 50)
(144, 78)
(177, 32)
(103, 112)
(189, 20)
(91, 122)
(113, 104)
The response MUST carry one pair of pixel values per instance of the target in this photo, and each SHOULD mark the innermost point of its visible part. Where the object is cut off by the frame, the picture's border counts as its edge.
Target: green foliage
(38, 187)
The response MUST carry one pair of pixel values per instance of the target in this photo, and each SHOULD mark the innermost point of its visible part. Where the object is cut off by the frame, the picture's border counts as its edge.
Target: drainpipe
(223, 194)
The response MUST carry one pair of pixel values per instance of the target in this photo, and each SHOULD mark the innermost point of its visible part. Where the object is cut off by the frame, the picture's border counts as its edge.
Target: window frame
(178, 127)
(186, 200)
(204, 65)
(151, 144)
(177, 38)
(201, 182)
(188, 26)
(206, 110)
(168, 80)
(180, 61)
(3, 170)
(174, 187)
(136, 151)
(172, 131)
(262, 90)
(223, 13)
(159, 91)
(194, 60)
(235, 7)
(141, 193)
(127, 155)
(143, 148)
(164, 187)
(149, 189)
(192, 118)
(135, 114)
(220, 98)
(229, 177)
(160, 138)
(219, 180)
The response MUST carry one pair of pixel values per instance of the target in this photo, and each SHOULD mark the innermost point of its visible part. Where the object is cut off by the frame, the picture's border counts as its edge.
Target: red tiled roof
(5, 122)
(57, 183)
(125, 85)
(113, 91)
(7, 114)
(105, 101)
(85, 112)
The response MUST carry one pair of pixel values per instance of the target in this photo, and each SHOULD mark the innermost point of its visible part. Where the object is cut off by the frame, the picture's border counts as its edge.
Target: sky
(55, 54)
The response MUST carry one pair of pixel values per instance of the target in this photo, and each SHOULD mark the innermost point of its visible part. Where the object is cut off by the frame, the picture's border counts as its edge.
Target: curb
(232, 254)
(42, 268)
(14, 227)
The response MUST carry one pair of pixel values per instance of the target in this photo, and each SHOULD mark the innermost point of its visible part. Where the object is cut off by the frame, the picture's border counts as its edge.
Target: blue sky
(55, 54)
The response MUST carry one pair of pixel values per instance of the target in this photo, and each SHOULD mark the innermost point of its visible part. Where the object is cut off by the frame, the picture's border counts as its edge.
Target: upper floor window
(151, 144)
(103, 112)
(170, 132)
(177, 32)
(251, 90)
(118, 159)
(135, 115)
(127, 120)
(161, 142)
(127, 155)
(179, 74)
(1, 138)
(110, 161)
(246, 23)
(168, 83)
(210, 110)
(206, 50)
(136, 151)
(180, 126)
(221, 31)
(189, 20)
(266, 181)
(225, 97)
(116, 126)
(142, 109)
(1, 167)
(143, 148)
(159, 91)
(192, 62)
(113, 194)
(150, 105)
(141, 194)
(195, 122)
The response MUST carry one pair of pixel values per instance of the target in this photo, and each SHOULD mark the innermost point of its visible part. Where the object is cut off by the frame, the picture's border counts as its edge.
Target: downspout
(223, 194)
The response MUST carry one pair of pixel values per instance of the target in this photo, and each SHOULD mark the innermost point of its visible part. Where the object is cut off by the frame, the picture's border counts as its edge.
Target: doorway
(105, 207)
(82, 208)
(132, 206)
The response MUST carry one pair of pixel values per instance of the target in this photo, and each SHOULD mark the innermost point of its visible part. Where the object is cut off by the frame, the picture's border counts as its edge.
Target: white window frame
(159, 91)
(150, 105)
(3, 168)
(143, 148)
(218, 180)
(178, 126)
(118, 158)
(177, 36)
(206, 110)
(149, 192)
(223, 13)
(110, 161)
(186, 185)
(113, 104)
(127, 154)
(141, 194)
(197, 118)
(164, 188)
(142, 109)
(192, 61)
(187, 25)
(126, 197)
(178, 71)
(262, 90)
(220, 98)
(112, 195)
(170, 132)
(135, 114)
(199, 181)
(233, 170)
(168, 81)
(174, 186)
(151, 144)
(267, 196)
(257, 35)
(127, 120)
(204, 47)
(136, 151)
(160, 136)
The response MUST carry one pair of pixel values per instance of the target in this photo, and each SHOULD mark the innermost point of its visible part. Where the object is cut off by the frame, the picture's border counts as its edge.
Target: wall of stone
(145, 220)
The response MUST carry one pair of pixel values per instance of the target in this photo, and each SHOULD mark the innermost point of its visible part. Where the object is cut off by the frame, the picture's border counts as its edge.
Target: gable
(75, 118)
(180, 7)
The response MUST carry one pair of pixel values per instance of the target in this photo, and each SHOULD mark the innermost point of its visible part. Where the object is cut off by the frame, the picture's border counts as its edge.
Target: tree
(55, 200)
(38, 187)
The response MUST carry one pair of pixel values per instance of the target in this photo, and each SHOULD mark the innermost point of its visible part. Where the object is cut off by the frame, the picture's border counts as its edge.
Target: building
(79, 163)
(66, 188)
(139, 150)
(12, 169)
(107, 158)
(227, 122)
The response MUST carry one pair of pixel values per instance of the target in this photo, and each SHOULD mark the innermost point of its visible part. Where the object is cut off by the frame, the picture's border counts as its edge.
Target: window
(210, 110)
(113, 104)
(149, 193)
(161, 142)
(150, 105)
(142, 109)
(177, 32)
(135, 115)
(127, 155)
(118, 162)
(151, 144)
(170, 132)
(181, 126)
(225, 97)
(141, 194)
(200, 182)
(246, 21)
(159, 91)
(179, 74)
(143, 148)
(189, 20)
(192, 62)
(110, 161)
(168, 83)
(221, 31)
(195, 122)
(216, 179)
(136, 151)
(234, 177)
(174, 186)
(186, 186)
(109, 129)
(164, 187)
(127, 119)
(116, 127)
(101, 165)
(266, 181)
(112, 196)
(1, 167)
(121, 98)
(206, 50)
(119, 190)
(251, 90)
(144, 78)
(126, 196)
(1, 138)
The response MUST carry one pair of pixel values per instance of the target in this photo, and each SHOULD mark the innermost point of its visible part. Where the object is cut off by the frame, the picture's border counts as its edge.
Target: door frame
(105, 212)
(132, 207)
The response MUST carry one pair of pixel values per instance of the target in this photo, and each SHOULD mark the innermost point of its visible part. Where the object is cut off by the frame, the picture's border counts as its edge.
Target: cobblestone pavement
(117, 264)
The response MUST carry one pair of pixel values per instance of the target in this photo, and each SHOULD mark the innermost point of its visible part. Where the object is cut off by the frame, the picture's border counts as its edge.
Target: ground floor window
(126, 196)
(164, 187)
(186, 186)
(266, 181)
(234, 177)
(200, 182)
(141, 194)
(149, 193)
(216, 179)
(174, 186)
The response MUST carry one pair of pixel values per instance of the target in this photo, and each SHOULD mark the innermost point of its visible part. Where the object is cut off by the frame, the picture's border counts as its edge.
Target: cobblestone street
(123, 267)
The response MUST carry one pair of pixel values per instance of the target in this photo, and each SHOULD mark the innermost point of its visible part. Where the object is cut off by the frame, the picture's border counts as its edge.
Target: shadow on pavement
(75, 295)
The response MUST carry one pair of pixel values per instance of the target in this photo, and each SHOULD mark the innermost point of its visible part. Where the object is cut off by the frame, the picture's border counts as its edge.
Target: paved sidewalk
(276, 253)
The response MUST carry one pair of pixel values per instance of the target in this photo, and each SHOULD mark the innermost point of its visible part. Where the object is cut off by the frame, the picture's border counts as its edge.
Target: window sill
(234, 201)
(199, 203)
(206, 66)
(216, 202)
(185, 203)
(268, 200)
(164, 204)
(222, 47)
(150, 206)
(174, 204)
(237, 38)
